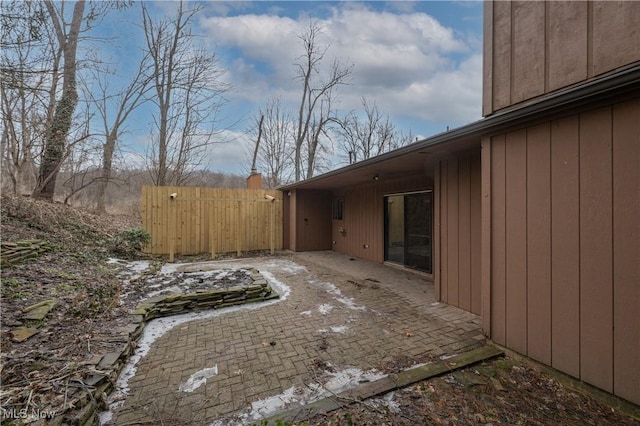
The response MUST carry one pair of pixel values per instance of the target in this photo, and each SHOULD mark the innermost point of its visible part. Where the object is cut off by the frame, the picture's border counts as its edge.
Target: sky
(420, 62)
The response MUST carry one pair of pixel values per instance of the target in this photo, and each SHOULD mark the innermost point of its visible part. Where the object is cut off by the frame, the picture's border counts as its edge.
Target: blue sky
(420, 62)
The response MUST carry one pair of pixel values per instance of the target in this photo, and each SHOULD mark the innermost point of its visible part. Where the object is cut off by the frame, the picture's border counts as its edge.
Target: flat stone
(94, 379)
(21, 334)
(212, 294)
(95, 360)
(235, 297)
(40, 310)
(128, 329)
(109, 360)
(169, 298)
(155, 299)
(255, 287)
(180, 303)
(141, 310)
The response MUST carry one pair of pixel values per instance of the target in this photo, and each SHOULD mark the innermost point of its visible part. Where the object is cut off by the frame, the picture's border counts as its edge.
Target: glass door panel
(394, 229)
(418, 231)
(408, 229)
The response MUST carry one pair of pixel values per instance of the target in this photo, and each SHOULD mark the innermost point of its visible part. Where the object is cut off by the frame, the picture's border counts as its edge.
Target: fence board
(211, 220)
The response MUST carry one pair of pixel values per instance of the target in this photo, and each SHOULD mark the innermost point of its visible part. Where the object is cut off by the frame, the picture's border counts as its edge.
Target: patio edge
(385, 385)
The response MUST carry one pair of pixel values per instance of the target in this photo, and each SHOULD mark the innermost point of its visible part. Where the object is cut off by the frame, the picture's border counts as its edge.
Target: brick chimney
(254, 181)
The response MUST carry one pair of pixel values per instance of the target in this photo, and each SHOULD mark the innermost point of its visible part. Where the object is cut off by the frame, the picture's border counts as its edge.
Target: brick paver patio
(340, 314)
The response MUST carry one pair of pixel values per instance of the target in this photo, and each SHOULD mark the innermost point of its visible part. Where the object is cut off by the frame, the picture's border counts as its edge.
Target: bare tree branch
(315, 112)
(188, 94)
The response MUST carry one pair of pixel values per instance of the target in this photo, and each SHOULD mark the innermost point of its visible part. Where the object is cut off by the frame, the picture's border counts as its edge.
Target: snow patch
(172, 289)
(338, 296)
(447, 356)
(131, 270)
(286, 266)
(169, 268)
(198, 379)
(159, 326)
(283, 290)
(305, 313)
(386, 401)
(304, 394)
(342, 329)
(325, 308)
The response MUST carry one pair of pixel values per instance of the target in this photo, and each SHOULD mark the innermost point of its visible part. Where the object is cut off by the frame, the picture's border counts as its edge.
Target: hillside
(73, 277)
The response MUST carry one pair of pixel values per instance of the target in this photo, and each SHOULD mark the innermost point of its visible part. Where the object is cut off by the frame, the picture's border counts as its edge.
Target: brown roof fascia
(622, 82)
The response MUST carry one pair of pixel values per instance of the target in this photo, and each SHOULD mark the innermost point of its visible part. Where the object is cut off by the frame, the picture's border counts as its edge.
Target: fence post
(212, 233)
(240, 224)
(271, 225)
(172, 226)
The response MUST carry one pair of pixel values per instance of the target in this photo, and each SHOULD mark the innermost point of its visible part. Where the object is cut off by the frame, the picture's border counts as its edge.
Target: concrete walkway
(344, 322)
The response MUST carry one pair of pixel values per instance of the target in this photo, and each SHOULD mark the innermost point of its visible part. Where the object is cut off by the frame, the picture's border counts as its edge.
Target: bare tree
(275, 149)
(39, 71)
(188, 94)
(28, 85)
(22, 126)
(113, 111)
(58, 131)
(365, 137)
(315, 112)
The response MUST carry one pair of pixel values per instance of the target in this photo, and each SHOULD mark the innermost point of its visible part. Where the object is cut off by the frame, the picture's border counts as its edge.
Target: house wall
(533, 48)
(363, 219)
(561, 242)
(309, 220)
(457, 205)
(287, 206)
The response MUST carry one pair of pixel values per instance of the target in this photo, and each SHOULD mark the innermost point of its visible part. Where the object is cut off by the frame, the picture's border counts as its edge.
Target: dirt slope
(37, 372)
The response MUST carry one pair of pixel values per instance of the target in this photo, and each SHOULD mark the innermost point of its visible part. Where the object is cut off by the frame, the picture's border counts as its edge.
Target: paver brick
(248, 370)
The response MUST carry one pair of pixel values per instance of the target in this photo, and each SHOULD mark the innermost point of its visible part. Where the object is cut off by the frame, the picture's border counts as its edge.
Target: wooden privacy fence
(186, 220)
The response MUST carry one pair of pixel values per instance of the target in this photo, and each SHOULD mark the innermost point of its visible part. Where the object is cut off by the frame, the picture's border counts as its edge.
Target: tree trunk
(55, 143)
(107, 160)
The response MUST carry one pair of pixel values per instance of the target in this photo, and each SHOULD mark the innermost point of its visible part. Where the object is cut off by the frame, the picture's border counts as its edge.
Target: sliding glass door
(408, 229)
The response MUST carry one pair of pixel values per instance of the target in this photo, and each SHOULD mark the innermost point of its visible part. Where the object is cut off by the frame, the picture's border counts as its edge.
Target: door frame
(386, 227)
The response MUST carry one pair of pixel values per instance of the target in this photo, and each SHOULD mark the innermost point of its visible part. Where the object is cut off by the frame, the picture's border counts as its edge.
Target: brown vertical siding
(475, 213)
(464, 232)
(502, 51)
(293, 235)
(616, 35)
(539, 242)
(363, 217)
(313, 220)
(487, 58)
(567, 30)
(596, 269)
(533, 48)
(498, 240)
(516, 240)
(436, 230)
(286, 219)
(626, 250)
(485, 251)
(452, 233)
(441, 194)
(528, 63)
(564, 244)
(457, 202)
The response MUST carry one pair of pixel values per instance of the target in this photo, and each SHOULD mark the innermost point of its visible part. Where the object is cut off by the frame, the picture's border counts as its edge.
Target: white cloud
(408, 63)
(231, 154)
